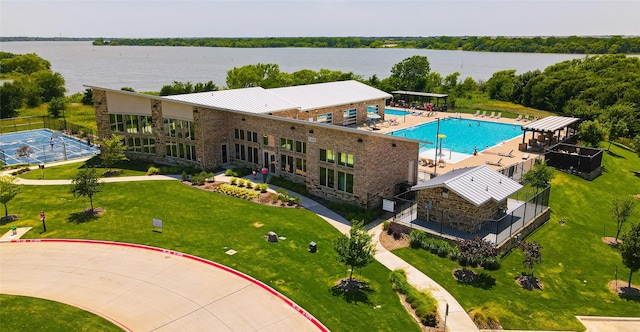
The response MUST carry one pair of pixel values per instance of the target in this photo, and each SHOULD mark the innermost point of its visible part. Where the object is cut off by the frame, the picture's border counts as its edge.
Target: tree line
(568, 45)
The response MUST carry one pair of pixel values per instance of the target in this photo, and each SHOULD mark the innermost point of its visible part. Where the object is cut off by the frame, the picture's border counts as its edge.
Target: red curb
(237, 273)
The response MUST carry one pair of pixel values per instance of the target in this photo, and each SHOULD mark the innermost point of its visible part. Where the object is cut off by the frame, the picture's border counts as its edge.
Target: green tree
(86, 184)
(501, 85)
(11, 99)
(621, 208)
(616, 129)
(112, 150)
(356, 250)
(539, 176)
(52, 84)
(56, 105)
(263, 75)
(8, 190)
(411, 73)
(87, 97)
(532, 255)
(636, 144)
(592, 133)
(630, 250)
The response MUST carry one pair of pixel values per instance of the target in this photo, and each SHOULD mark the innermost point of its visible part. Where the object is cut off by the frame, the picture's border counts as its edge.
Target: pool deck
(491, 154)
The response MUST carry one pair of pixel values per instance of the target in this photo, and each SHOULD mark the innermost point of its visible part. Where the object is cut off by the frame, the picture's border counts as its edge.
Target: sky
(312, 18)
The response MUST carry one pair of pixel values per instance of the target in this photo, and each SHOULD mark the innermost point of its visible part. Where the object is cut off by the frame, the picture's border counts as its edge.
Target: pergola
(428, 95)
(549, 130)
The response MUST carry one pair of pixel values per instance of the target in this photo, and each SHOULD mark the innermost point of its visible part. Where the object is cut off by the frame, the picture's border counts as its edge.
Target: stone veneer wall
(102, 113)
(212, 129)
(338, 117)
(458, 212)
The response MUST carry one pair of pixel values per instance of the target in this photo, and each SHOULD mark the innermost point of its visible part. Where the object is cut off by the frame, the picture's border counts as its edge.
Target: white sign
(388, 205)
(311, 139)
(157, 223)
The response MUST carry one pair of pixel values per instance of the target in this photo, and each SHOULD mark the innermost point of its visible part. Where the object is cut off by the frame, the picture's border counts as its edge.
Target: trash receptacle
(14, 230)
(313, 247)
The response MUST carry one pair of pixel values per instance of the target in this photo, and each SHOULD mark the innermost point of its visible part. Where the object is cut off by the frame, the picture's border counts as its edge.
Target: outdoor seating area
(582, 161)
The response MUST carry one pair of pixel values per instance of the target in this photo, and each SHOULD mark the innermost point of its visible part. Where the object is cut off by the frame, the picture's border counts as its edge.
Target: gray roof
(550, 124)
(314, 96)
(252, 100)
(475, 184)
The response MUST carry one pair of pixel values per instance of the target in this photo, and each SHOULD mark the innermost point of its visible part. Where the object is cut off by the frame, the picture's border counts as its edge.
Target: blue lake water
(462, 135)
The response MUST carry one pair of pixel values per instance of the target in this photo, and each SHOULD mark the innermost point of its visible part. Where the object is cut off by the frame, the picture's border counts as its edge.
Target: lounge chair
(495, 163)
(423, 161)
(477, 113)
(509, 154)
(525, 156)
(499, 115)
(442, 163)
(519, 117)
(493, 115)
(526, 118)
(484, 113)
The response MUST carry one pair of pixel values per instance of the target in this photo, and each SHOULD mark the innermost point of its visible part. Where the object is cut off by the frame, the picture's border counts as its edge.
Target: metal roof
(252, 100)
(314, 96)
(550, 123)
(475, 184)
(421, 94)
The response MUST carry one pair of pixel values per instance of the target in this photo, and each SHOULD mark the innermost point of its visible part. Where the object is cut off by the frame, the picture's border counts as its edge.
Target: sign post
(44, 225)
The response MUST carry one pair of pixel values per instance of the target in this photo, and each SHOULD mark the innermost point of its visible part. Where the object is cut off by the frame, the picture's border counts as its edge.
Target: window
(237, 151)
(325, 118)
(116, 122)
(149, 145)
(345, 159)
(286, 144)
(349, 117)
(132, 123)
(327, 156)
(345, 182)
(286, 163)
(146, 124)
(236, 133)
(301, 167)
(301, 147)
(265, 139)
(169, 127)
(252, 136)
(252, 154)
(172, 149)
(326, 177)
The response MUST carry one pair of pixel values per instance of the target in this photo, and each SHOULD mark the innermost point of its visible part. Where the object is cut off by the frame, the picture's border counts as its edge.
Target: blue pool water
(396, 112)
(462, 135)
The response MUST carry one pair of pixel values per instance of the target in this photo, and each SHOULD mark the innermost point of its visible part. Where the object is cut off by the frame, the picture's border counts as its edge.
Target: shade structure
(373, 116)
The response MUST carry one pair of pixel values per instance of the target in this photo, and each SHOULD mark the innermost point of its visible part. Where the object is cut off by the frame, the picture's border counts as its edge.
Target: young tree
(56, 105)
(86, 184)
(636, 144)
(532, 254)
(622, 209)
(539, 175)
(592, 133)
(356, 250)
(112, 151)
(8, 190)
(615, 130)
(24, 152)
(630, 249)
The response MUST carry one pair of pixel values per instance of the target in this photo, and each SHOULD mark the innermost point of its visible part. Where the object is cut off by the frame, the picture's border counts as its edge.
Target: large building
(306, 134)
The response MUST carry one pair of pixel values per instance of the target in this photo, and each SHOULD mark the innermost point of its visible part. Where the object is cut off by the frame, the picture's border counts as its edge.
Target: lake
(148, 68)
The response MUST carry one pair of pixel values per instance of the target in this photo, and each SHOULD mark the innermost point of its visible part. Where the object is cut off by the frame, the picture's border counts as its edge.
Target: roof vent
(487, 188)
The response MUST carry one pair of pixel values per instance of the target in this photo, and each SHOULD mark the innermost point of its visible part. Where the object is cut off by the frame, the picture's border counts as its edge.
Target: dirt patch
(529, 282)
(390, 243)
(257, 224)
(465, 276)
(93, 212)
(347, 285)
(637, 196)
(621, 288)
(611, 241)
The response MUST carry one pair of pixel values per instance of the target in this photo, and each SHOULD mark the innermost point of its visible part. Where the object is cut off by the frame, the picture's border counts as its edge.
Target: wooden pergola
(548, 131)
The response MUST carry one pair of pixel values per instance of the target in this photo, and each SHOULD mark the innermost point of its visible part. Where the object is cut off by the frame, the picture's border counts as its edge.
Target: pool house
(306, 134)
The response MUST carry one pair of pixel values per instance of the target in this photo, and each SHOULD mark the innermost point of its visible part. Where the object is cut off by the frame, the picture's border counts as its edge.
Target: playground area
(44, 146)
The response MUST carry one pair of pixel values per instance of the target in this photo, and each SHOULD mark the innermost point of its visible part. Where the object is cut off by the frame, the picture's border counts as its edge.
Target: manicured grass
(509, 110)
(206, 224)
(577, 264)
(21, 313)
(69, 171)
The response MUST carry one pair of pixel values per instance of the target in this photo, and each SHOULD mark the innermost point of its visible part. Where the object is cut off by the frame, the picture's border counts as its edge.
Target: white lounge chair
(495, 163)
(477, 113)
(526, 118)
(493, 115)
(509, 154)
(519, 117)
(499, 115)
(484, 113)
(525, 156)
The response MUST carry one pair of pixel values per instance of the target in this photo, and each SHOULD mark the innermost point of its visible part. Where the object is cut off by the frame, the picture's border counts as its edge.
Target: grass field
(205, 224)
(576, 266)
(21, 313)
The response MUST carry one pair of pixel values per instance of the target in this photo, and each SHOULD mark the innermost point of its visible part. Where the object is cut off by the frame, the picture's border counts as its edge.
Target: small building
(305, 134)
(466, 198)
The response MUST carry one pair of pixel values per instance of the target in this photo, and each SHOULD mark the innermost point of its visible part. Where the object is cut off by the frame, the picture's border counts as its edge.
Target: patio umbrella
(441, 137)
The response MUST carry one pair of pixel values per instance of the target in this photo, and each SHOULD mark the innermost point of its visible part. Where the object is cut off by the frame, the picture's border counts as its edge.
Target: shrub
(397, 230)
(233, 181)
(299, 188)
(241, 182)
(250, 184)
(424, 304)
(286, 198)
(229, 190)
(351, 212)
(199, 179)
(184, 176)
(237, 172)
(228, 172)
(263, 187)
(153, 170)
(385, 225)
(485, 319)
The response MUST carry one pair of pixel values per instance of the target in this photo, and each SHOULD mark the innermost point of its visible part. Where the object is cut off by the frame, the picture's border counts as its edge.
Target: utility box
(313, 247)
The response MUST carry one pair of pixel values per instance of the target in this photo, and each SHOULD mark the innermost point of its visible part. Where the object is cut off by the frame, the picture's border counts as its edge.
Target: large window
(116, 121)
(181, 150)
(286, 163)
(132, 123)
(350, 117)
(325, 118)
(327, 156)
(301, 167)
(326, 177)
(146, 125)
(143, 145)
(345, 159)
(301, 147)
(286, 144)
(345, 182)
(178, 128)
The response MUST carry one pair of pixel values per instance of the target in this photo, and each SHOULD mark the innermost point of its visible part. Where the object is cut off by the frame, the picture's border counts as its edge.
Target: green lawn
(206, 224)
(21, 313)
(68, 171)
(577, 264)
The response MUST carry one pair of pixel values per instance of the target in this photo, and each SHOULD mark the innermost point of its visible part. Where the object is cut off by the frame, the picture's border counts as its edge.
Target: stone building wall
(337, 111)
(453, 210)
(101, 108)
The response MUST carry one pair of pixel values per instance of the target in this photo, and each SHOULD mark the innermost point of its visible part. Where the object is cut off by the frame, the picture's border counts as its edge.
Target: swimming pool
(47, 146)
(462, 135)
(396, 112)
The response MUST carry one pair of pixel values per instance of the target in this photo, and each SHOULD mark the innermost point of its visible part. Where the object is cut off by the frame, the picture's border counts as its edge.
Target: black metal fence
(11, 125)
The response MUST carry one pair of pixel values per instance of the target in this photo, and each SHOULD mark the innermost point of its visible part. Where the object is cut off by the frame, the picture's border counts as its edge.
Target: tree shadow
(7, 219)
(613, 154)
(85, 216)
(354, 291)
(467, 277)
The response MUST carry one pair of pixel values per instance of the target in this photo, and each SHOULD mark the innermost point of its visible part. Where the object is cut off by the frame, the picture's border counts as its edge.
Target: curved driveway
(146, 289)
